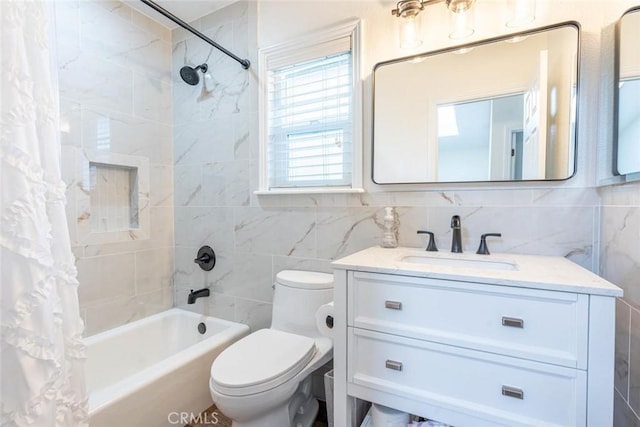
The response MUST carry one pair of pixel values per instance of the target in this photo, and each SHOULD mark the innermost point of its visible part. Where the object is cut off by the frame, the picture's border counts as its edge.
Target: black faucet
(456, 239)
(193, 296)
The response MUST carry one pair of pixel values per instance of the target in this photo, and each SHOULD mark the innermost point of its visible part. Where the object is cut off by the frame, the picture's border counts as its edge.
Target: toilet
(264, 379)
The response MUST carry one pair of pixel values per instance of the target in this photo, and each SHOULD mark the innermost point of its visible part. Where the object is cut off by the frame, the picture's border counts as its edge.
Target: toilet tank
(297, 296)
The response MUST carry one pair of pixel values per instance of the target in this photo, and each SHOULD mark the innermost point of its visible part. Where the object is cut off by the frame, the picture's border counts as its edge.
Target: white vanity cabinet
(532, 345)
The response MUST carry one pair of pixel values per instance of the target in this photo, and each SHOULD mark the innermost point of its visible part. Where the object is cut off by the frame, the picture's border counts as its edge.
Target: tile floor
(213, 417)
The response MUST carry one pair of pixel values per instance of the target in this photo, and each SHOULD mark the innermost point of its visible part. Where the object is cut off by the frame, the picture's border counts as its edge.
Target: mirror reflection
(628, 138)
(499, 110)
(481, 134)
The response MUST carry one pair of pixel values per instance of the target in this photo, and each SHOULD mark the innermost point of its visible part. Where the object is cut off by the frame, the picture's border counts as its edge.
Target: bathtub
(153, 371)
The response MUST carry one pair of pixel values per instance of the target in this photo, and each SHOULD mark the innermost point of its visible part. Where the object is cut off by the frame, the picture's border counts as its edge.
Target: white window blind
(310, 122)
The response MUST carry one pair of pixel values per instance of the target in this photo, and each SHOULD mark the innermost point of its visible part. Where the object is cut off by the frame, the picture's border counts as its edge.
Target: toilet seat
(261, 361)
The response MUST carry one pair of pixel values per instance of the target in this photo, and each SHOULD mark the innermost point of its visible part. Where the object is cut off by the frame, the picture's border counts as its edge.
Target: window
(310, 114)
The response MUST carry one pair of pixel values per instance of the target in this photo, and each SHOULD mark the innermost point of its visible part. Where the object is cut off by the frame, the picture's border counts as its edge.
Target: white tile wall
(114, 70)
(620, 263)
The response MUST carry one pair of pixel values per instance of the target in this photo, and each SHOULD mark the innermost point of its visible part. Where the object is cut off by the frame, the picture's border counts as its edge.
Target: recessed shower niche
(111, 195)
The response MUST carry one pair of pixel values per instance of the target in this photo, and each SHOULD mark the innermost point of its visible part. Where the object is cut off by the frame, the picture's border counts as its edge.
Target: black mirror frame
(616, 91)
(574, 24)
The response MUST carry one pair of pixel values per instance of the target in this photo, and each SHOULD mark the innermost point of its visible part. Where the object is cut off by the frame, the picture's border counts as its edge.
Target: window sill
(620, 179)
(281, 191)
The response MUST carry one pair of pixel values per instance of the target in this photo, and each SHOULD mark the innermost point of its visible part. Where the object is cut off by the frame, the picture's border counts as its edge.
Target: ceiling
(187, 10)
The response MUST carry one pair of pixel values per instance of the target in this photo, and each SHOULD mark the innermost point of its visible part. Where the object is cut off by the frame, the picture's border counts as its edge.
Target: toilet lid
(305, 279)
(261, 361)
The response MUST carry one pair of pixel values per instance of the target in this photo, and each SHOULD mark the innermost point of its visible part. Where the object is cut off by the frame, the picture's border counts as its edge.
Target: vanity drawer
(499, 389)
(540, 325)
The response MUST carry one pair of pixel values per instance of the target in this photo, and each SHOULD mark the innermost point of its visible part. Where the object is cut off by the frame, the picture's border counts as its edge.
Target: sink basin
(460, 262)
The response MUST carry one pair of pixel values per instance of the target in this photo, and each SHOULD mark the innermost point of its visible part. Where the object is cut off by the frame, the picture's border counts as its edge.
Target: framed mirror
(502, 109)
(627, 133)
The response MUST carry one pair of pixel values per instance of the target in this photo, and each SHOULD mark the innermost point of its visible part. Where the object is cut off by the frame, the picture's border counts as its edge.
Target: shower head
(190, 74)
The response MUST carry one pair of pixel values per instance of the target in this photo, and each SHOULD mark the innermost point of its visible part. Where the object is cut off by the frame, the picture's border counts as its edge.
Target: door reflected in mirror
(628, 125)
(481, 140)
(498, 110)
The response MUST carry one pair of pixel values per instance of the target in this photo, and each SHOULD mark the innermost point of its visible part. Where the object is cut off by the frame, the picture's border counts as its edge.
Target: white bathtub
(149, 372)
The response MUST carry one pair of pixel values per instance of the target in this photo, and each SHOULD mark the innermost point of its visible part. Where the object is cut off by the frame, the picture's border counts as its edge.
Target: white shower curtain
(41, 350)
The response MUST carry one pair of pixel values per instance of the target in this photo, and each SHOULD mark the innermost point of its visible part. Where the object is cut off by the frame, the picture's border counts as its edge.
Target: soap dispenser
(389, 238)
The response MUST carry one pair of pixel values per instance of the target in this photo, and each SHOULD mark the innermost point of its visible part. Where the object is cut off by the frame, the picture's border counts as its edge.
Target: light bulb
(461, 22)
(410, 32)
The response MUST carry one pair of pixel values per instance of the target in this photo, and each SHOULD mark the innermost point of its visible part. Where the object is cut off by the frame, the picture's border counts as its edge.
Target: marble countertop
(528, 271)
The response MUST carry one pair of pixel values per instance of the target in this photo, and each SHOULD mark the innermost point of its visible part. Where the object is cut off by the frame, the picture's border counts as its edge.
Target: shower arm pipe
(244, 62)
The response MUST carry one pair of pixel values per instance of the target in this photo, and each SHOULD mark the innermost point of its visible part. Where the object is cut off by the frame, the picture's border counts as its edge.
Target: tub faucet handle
(203, 258)
(206, 258)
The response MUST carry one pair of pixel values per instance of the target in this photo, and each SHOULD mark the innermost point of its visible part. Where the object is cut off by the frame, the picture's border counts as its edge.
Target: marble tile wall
(115, 94)
(215, 145)
(215, 152)
(620, 263)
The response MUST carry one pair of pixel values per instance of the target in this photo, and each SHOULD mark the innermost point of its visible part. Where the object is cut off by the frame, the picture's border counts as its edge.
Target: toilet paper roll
(324, 319)
(381, 416)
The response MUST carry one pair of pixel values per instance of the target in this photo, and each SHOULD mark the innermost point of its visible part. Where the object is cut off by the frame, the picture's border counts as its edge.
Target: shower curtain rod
(244, 62)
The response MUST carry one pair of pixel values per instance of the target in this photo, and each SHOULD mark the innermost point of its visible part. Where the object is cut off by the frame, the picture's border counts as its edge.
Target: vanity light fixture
(461, 19)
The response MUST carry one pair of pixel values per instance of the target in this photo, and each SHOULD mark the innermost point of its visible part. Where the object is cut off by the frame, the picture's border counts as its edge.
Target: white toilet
(264, 380)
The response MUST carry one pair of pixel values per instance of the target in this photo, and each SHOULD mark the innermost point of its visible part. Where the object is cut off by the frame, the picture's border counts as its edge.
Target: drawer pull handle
(512, 392)
(393, 305)
(512, 322)
(392, 364)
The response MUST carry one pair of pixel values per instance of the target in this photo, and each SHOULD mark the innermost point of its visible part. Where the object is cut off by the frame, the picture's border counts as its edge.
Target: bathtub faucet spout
(193, 296)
